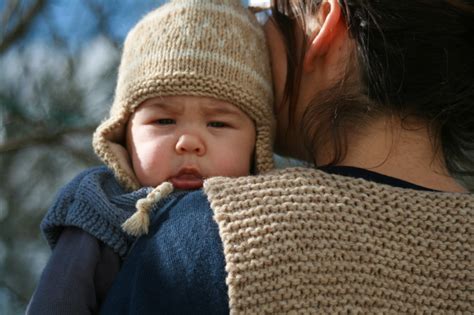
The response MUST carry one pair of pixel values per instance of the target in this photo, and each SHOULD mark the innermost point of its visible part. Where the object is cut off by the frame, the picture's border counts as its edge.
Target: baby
(193, 100)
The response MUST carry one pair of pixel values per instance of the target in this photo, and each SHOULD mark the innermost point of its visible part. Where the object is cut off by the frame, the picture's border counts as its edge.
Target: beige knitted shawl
(303, 241)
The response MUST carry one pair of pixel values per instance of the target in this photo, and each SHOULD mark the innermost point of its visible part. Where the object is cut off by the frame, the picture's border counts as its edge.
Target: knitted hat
(213, 48)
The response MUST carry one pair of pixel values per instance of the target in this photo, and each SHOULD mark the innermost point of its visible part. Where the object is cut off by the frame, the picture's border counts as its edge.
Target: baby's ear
(323, 33)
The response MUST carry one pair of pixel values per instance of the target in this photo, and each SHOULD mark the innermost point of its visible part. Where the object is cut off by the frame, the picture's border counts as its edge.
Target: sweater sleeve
(76, 277)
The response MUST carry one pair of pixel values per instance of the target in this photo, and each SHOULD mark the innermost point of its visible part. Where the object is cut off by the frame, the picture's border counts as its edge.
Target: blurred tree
(58, 65)
(17, 17)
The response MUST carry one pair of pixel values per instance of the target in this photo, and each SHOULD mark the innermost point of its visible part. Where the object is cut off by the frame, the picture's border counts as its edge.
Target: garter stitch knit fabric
(302, 241)
(212, 48)
(96, 203)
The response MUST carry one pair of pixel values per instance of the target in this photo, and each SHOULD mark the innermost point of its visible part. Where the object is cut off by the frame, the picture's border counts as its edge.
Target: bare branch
(22, 298)
(10, 8)
(80, 156)
(41, 139)
(103, 18)
(59, 40)
(22, 25)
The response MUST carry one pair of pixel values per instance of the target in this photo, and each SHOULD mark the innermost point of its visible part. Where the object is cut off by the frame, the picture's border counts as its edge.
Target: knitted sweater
(83, 228)
(96, 203)
(304, 241)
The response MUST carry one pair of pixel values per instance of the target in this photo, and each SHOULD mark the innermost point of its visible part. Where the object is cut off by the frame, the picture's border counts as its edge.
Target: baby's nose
(190, 144)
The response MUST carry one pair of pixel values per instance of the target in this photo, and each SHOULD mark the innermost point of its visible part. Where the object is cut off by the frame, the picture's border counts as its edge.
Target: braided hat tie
(138, 223)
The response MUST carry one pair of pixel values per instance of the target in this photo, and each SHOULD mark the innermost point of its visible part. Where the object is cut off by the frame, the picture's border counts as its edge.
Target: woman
(379, 96)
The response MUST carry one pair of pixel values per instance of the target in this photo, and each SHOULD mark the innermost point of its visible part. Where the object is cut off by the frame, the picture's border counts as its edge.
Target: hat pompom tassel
(139, 222)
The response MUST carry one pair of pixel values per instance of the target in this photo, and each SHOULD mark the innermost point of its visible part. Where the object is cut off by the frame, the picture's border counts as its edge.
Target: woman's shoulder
(298, 181)
(311, 231)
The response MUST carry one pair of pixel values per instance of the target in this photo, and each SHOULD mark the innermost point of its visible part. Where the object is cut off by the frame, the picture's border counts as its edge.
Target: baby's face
(185, 139)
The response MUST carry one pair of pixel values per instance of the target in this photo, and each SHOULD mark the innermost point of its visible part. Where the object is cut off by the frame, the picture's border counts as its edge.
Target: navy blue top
(178, 268)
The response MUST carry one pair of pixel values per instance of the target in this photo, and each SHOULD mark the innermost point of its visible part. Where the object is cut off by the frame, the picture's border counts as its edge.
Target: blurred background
(58, 67)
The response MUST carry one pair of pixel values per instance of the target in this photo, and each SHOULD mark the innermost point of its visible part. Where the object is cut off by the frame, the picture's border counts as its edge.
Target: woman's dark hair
(415, 59)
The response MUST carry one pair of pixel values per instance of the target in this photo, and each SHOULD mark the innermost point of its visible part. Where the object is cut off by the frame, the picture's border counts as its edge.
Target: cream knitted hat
(213, 48)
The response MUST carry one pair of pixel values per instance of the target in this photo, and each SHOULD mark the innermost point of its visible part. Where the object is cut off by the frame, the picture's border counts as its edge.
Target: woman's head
(410, 60)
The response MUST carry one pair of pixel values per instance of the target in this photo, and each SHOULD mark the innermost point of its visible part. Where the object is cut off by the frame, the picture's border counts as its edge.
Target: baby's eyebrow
(222, 110)
(166, 107)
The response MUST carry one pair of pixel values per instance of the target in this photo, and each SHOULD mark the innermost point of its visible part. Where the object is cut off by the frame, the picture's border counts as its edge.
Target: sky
(73, 21)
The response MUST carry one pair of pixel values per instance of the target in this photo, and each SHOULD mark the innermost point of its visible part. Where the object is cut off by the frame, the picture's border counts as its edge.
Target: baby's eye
(217, 124)
(165, 121)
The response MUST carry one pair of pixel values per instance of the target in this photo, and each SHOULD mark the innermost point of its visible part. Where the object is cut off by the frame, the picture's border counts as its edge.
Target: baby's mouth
(187, 179)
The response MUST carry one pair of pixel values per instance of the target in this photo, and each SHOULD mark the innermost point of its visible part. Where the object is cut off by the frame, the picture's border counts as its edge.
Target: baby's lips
(187, 181)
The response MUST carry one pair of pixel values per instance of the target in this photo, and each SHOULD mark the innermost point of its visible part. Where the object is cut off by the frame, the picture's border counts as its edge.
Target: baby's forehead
(180, 103)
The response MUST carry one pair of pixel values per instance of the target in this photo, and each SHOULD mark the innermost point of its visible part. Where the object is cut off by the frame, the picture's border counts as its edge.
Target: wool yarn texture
(301, 241)
(212, 48)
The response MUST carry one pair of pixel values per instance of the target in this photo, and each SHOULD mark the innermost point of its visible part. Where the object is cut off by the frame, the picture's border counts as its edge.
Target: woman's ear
(321, 38)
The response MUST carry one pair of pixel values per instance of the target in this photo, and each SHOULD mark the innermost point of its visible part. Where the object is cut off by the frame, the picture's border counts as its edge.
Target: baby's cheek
(153, 160)
(150, 152)
(236, 164)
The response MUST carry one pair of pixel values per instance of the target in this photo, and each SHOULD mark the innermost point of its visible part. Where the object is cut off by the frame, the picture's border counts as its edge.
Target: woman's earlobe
(321, 39)
(312, 52)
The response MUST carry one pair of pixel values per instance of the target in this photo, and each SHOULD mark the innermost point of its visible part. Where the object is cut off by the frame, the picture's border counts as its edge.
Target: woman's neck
(403, 152)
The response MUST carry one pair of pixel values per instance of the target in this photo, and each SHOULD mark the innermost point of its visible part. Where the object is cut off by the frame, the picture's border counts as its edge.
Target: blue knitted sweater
(180, 259)
(96, 203)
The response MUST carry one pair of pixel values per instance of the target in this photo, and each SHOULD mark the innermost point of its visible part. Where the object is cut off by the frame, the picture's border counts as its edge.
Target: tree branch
(40, 139)
(23, 299)
(103, 18)
(80, 156)
(22, 25)
(10, 8)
